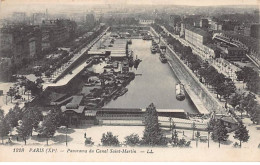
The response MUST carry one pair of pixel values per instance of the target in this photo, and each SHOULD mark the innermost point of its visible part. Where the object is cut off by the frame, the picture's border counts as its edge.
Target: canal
(155, 83)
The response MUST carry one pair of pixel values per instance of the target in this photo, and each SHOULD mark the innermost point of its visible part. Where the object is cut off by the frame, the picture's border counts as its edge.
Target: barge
(180, 93)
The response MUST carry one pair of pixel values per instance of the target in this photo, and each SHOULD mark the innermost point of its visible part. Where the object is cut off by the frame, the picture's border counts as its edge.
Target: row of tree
(28, 120)
(220, 132)
(34, 87)
(251, 77)
(246, 102)
(152, 135)
(223, 86)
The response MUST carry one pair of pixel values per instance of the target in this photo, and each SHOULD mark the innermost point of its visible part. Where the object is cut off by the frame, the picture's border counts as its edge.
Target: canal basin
(154, 83)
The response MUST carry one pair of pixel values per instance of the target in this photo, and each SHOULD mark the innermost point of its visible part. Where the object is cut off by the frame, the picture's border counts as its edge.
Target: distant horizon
(9, 6)
(137, 2)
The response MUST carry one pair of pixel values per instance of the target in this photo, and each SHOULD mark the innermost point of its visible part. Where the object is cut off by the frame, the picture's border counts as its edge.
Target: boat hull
(180, 93)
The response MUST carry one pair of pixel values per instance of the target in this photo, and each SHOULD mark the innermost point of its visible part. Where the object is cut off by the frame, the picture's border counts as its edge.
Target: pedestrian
(85, 135)
(9, 140)
(183, 133)
(17, 138)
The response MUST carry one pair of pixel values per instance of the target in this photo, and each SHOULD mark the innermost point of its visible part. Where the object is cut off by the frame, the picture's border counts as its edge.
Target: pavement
(64, 80)
(5, 101)
(211, 61)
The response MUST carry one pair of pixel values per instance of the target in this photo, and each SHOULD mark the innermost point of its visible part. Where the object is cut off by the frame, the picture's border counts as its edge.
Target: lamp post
(193, 129)
(208, 130)
(66, 135)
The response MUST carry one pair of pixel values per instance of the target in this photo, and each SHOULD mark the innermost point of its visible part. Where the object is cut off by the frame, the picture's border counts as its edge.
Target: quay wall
(80, 58)
(208, 100)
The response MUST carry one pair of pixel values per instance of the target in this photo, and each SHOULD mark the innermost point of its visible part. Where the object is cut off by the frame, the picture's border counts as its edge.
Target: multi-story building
(215, 25)
(37, 18)
(56, 32)
(182, 30)
(5, 72)
(196, 36)
(204, 23)
(210, 50)
(232, 53)
(90, 20)
(146, 21)
(250, 45)
(20, 42)
(173, 20)
(254, 31)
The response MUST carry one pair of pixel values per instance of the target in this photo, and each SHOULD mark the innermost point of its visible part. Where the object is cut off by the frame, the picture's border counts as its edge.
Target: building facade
(204, 23)
(20, 42)
(56, 32)
(196, 36)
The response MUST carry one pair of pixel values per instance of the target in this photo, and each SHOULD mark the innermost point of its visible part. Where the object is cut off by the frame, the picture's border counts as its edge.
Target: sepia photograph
(129, 80)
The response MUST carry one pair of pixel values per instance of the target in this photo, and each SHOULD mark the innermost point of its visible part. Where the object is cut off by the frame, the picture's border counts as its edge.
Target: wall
(208, 100)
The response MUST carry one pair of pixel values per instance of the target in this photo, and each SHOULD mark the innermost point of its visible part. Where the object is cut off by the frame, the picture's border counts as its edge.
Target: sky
(151, 2)
(9, 6)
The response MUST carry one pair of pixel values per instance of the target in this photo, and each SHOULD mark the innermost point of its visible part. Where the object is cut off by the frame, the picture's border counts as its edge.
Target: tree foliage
(249, 76)
(132, 140)
(12, 92)
(14, 115)
(24, 129)
(241, 134)
(109, 139)
(235, 100)
(220, 132)
(152, 133)
(4, 128)
(34, 116)
(49, 125)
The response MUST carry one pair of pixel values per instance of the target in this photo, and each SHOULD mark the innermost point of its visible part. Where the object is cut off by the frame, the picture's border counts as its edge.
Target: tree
(242, 134)
(152, 133)
(34, 116)
(12, 92)
(175, 137)
(4, 128)
(39, 81)
(109, 139)
(229, 89)
(197, 137)
(38, 74)
(255, 114)
(48, 73)
(240, 109)
(49, 125)
(132, 140)
(209, 128)
(24, 128)
(14, 115)
(248, 102)
(220, 132)
(2, 114)
(33, 87)
(235, 100)
(183, 143)
(249, 76)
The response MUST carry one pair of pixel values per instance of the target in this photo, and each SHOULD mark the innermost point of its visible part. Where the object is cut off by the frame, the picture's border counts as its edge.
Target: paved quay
(195, 99)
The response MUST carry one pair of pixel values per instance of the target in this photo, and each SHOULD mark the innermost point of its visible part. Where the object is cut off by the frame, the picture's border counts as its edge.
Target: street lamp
(66, 135)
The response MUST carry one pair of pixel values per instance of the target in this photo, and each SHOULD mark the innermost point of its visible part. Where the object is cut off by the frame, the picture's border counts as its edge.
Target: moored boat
(153, 50)
(163, 58)
(180, 93)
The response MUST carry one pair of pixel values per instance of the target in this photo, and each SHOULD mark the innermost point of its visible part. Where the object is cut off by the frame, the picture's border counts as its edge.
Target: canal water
(155, 84)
